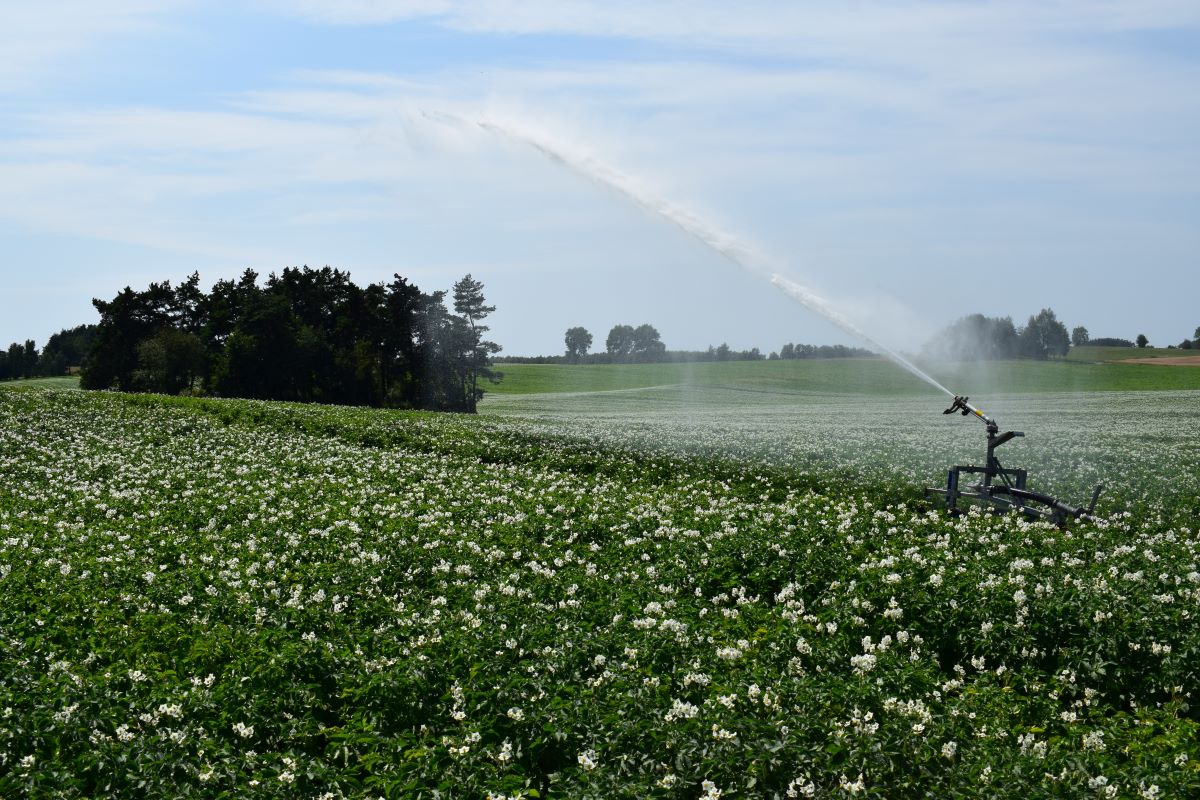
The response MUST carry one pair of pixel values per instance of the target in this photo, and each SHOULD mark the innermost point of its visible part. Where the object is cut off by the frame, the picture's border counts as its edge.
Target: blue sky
(912, 162)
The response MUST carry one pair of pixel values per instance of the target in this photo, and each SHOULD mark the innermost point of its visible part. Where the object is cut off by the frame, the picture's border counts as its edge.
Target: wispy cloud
(35, 38)
(871, 142)
(755, 20)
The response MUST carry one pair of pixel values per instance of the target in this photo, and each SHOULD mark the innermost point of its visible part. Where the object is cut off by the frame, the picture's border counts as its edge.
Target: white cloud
(864, 141)
(789, 26)
(36, 37)
(113, 204)
(786, 136)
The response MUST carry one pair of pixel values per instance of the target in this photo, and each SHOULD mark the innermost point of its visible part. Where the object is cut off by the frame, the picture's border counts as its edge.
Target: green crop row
(213, 598)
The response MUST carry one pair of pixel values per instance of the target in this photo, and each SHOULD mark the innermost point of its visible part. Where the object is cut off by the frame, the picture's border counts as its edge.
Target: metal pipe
(961, 404)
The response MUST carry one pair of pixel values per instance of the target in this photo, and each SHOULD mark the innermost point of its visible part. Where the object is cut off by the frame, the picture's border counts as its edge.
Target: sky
(910, 162)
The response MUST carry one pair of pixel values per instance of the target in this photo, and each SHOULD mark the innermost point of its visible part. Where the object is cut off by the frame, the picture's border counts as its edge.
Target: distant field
(1089, 370)
(850, 376)
(1175, 361)
(1094, 354)
(826, 375)
(65, 382)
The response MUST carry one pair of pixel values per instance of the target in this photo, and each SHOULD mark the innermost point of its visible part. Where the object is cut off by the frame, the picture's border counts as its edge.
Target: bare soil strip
(1171, 361)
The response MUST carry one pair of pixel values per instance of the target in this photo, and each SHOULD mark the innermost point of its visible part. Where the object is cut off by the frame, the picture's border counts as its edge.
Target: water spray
(817, 304)
(725, 244)
(1001, 488)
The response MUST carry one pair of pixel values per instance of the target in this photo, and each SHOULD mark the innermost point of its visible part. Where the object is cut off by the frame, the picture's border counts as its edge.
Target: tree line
(625, 344)
(394, 345)
(307, 335)
(790, 350)
(978, 337)
(64, 352)
(643, 344)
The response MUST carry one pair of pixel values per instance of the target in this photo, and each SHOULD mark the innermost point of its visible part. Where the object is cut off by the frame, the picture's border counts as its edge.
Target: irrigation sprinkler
(1001, 488)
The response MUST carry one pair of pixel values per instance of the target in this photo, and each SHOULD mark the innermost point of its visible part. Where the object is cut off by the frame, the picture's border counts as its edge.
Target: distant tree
(169, 362)
(723, 352)
(1079, 336)
(647, 346)
(15, 361)
(578, 342)
(188, 311)
(65, 349)
(448, 358)
(1109, 341)
(29, 359)
(1141, 340)
(442, 371)
(261, 354)
(1186, 344)
(1003, 336)
(400, 372)
(469, 303)
(619, 343)
(225, 304)
(325, 334)
(1044, 336)
(125, 322)
(976, 337)
(1196, 335)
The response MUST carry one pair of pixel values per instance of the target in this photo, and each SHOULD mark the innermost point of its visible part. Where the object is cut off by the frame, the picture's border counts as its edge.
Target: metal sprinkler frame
(1002, 488)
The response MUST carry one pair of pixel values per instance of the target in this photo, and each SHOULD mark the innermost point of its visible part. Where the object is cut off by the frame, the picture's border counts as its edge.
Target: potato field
(662, 595)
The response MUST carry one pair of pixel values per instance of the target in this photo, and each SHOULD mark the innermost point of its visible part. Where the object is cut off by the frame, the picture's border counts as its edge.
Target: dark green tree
(1141, 340)
(400, 372)
(1079, 336)
(309, 335)
(125, 322)
(442, 343)
(356, 337)
(15, 360)
(189, 312)
(619, 343)
(29, 359)
(647, 346)
(469, 303)
(260, 356)
(66, 349)
(169, 362)
(1044, 336)
(578, 342)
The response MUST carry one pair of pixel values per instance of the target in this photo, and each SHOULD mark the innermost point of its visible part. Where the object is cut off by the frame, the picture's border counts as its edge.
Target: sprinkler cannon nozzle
(961, 404)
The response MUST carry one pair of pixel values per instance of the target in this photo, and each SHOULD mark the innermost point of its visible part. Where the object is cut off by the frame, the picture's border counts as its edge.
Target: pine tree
(470, 304)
